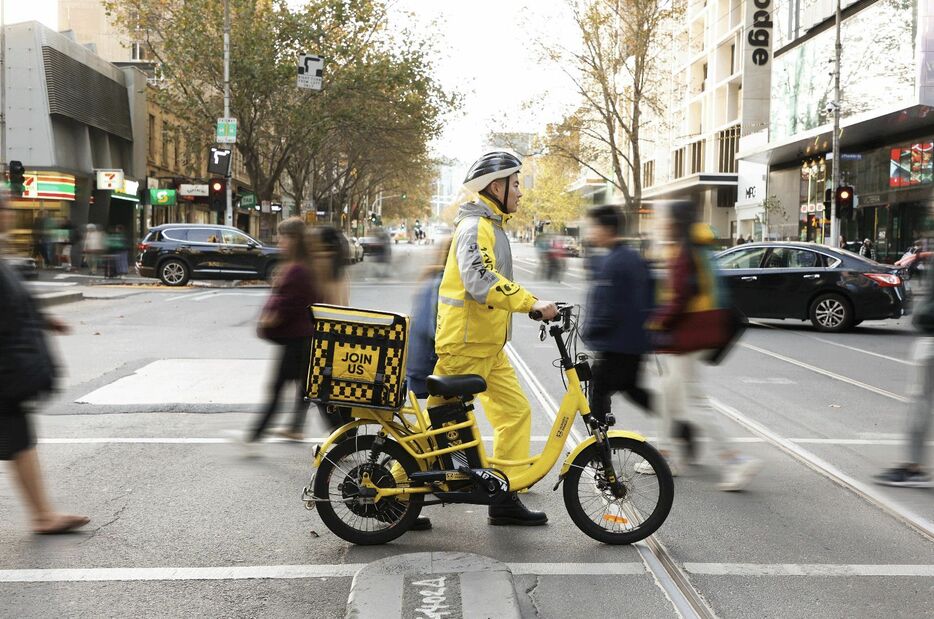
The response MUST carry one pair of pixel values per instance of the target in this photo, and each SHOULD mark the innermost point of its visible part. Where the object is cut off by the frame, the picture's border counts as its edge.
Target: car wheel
(832, 313)
(174, 273)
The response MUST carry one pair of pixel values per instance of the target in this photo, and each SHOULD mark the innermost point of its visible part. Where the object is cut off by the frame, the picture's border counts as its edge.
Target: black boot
(686, 432)
(510, 510)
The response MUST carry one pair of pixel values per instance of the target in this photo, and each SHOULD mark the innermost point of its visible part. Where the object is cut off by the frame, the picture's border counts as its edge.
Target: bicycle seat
(451, 386)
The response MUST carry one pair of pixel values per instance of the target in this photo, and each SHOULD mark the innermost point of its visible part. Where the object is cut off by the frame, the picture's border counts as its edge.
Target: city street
(184, 525)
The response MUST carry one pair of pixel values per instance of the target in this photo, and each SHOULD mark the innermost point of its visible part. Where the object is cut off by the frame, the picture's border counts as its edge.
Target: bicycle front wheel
(619, 520)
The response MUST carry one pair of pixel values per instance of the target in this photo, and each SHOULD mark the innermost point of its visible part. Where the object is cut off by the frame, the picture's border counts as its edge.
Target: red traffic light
(844, 194)
(217, 186)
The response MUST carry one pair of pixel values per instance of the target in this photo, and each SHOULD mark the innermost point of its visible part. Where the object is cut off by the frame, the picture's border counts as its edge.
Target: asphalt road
(183, 525)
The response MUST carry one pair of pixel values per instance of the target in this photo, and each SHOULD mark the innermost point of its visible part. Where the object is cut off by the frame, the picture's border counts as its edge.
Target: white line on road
(827, 373)
(348, 570)
(234, 294)
(832, 343)
(104, 440)
(189, 295)
(806, 569)
(529, 271)
(919, 523)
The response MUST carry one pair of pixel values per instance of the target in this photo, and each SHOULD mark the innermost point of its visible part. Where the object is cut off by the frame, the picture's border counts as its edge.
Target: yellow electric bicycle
(374, 475)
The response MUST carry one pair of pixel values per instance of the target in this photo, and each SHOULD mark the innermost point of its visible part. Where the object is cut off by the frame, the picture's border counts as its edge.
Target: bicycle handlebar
(562, 309)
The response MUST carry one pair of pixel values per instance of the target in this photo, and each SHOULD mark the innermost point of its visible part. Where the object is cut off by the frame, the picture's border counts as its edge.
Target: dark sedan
(834, 289)
(176, 253)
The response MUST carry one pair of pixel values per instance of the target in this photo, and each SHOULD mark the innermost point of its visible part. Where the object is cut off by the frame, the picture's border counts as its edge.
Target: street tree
(616, 71)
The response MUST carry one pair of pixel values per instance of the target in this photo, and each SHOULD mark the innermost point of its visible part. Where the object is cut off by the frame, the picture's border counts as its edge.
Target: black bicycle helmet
(490, 167)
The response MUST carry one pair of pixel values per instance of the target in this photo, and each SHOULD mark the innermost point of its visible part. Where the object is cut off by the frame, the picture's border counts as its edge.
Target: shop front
(894, 196)
(44, 207)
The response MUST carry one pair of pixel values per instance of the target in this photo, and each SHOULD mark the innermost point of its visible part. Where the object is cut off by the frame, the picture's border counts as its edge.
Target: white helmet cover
(490, 167)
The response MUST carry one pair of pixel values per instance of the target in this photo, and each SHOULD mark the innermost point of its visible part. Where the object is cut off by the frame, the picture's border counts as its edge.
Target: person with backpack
(690, 324)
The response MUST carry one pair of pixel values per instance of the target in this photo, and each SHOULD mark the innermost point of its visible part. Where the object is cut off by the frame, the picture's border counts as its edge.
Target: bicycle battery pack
(451, 414)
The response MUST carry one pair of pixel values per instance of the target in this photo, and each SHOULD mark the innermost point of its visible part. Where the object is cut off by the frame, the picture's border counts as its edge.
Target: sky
(487, 51)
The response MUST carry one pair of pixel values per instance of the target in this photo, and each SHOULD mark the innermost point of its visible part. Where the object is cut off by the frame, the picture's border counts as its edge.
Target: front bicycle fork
(598, 430)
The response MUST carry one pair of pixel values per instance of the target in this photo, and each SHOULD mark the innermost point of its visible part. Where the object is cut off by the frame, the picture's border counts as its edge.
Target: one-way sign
(310, 70)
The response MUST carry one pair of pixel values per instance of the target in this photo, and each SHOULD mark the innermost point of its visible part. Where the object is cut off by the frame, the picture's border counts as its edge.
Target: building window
(166, 138)
(697, 156)
(648, 173)
(679, 162)
(138, 51)
(727, 144)
(152, 137)
(732, 59)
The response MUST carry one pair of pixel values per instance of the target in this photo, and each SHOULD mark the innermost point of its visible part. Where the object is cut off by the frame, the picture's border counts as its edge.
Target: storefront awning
(124, 196)
(684, 187)
(855, 131)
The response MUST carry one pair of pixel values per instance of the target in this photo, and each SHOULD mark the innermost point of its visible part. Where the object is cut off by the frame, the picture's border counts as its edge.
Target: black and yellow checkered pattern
(380, 336)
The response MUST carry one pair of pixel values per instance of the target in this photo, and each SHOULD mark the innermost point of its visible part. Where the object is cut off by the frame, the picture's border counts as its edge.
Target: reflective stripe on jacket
(477, 296)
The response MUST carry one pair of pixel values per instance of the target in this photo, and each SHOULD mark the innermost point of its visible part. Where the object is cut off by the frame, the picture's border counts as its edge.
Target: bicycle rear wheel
(347, 512)
(606, 518)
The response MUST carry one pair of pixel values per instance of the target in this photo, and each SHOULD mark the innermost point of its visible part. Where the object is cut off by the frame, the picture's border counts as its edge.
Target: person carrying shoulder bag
(691, 323)
(286, 321)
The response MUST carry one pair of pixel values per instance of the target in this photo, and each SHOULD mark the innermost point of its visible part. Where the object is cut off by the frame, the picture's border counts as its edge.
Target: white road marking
(171, 440)
(827, 373)
(831, 472)
(348, 570)
(529, 271)
(189, 295)
(750, 380)
(188, 381)
(838, 344)
(55, 284)
(234, 294)
(806, 569)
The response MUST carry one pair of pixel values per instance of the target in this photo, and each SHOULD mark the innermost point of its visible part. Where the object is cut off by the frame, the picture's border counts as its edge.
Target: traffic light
(404, 195)
(844, 202)
(218, 191)
(17, 177)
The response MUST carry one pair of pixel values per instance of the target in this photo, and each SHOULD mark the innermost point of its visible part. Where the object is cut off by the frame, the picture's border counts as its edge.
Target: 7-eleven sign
(30, 186)
(110, 180)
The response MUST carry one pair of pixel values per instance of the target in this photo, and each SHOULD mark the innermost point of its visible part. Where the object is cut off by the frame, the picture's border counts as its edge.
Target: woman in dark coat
(27, 371)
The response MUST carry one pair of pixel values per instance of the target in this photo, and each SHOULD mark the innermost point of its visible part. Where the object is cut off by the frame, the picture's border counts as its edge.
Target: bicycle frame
(416, 437)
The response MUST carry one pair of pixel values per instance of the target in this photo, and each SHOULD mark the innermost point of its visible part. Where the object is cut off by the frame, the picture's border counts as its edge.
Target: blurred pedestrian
(867, 250)
(27, 371)
(94, 246)
(749, 239)
(740, 240)
(117, 250)
(618, 306)
(286, 321)
(688, 297)
(912, 473)
(330, 253)
(383, 253)
(422, 355)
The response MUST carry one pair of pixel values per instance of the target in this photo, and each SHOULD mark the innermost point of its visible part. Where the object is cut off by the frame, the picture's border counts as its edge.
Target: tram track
(669, 577)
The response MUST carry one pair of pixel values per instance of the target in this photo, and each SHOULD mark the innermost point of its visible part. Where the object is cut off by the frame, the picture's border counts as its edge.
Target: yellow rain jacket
(477, 296)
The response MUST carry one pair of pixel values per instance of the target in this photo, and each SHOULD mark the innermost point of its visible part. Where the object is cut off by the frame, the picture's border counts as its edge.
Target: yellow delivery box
(358, 357)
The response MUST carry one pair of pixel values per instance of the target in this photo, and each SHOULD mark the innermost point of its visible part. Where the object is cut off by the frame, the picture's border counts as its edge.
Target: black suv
(176, 253)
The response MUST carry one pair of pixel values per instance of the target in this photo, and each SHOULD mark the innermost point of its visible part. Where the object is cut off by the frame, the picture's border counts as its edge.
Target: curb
(433, 584)
(47, 299)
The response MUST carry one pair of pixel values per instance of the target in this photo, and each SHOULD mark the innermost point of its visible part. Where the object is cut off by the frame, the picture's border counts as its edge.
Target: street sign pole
(834, 222)
(228, 213)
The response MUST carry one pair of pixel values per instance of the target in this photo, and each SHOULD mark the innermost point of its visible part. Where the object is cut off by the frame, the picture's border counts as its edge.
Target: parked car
(356, 251)
(370, 244)
(27, 267)
(833, 288)
(176, 253)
